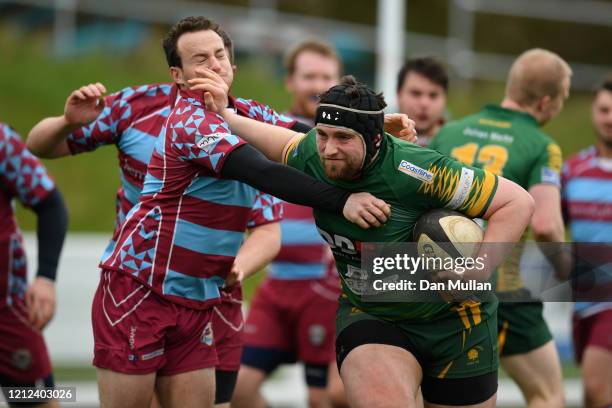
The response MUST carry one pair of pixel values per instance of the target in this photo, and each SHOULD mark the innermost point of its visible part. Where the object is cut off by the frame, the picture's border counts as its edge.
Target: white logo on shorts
(316, 334)
(207, 334)
(22, 359)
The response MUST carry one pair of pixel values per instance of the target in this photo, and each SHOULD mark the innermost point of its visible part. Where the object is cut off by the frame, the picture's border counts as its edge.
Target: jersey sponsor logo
(415, 171)
(356, 279)
(549, 175)
(463, 188)
(207, 142)
(147, 356)
(338, 242)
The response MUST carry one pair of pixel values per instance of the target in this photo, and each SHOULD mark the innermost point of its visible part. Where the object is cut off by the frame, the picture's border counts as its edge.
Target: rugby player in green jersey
(386, 350)
(506, 140)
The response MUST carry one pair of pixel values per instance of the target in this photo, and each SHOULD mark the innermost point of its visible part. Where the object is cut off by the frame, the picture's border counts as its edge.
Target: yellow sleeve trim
(292, 145)
(482, 197)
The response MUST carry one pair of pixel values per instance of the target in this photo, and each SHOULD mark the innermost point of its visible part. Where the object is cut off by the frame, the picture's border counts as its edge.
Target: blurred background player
(422, 85)
(506, 139)
(26, 310)
(587, 199)
(312, 67)
(293, 313)
(131, 120)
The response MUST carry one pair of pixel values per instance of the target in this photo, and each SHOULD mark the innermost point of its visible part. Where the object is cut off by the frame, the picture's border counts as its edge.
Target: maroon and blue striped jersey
(22, 177)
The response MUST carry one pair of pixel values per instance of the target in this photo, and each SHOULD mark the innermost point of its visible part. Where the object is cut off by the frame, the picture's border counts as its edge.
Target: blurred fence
(250, 27)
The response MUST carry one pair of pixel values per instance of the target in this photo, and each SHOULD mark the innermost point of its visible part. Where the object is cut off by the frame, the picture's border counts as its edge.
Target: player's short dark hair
(354, 92)
(189, 25)
(605, 85)
(430, 67)
(312, 45)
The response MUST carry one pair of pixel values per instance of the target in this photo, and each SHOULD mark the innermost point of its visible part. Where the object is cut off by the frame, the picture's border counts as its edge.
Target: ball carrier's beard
(344, 170)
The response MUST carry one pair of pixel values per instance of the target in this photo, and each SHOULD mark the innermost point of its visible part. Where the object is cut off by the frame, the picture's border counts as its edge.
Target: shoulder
(142, 97)
(303, 149)
(399, 149)
(576, 162)
(451, 129)
(257, 110)
(411, 159)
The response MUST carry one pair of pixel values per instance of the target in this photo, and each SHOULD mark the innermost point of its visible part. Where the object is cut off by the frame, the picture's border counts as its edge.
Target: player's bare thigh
(248, 388)
(192, 389)
(118, 390)
(538, 375)
(597, 376)
(380, 375)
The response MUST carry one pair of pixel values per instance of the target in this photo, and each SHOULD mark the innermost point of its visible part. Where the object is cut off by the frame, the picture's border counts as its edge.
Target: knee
(383, 397)
(597, 391)
(545, 398)
(337, 397)
(318, 398)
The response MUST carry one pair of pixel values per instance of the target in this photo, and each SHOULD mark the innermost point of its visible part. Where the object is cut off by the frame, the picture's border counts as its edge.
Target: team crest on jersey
(22, 359)
(473, 355)
(207, 334)
(316, 334)
(207, 142)
(415, 171)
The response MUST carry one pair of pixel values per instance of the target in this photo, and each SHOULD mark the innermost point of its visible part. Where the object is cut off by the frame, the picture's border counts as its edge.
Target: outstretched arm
(48, 137)
(281, 181)
(271, 140)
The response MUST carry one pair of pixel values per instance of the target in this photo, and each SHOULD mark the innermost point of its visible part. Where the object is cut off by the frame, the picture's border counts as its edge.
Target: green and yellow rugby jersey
(412, 180)
(507, 143)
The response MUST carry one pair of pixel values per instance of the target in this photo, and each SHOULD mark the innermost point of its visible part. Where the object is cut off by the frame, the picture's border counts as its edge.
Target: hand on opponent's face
(214, 88)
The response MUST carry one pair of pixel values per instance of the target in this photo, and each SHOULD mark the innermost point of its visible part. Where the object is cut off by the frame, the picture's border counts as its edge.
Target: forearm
(48, 137)
(247, 165)
(270, 140)
(555, 233)
(259, 248)
(51, 230)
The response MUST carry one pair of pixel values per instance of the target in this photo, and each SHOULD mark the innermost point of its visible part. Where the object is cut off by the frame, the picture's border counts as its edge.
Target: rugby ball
(446, 233)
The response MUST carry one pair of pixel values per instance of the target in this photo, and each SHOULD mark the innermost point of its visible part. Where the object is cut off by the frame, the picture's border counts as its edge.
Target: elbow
(525, 208)
(36, 148)
(32, 146)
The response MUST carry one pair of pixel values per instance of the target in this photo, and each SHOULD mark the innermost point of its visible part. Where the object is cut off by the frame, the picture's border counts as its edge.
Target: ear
(377, 140)
(177, 76)
(543, 103)
(234, 68)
